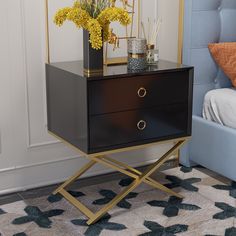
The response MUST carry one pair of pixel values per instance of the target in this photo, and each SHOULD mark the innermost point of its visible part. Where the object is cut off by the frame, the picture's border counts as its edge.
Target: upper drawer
(113, 95)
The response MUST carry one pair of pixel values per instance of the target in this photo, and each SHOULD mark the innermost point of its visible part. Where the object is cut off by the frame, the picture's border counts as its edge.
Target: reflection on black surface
(76, 67)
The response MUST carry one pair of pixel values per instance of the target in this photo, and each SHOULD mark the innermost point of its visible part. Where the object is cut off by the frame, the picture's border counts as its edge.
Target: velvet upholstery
(208, 21)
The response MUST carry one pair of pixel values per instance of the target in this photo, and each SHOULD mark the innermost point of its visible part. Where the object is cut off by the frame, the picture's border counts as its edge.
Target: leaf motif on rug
(159, 230)
(231, 188)
(126, 182)
(173, 205)
(19, 234)
(228, 211)
(108, 195)
(183, 183)
(57, 197)
(2, 212)
(34, 214)
(98, 227)
(230, 232)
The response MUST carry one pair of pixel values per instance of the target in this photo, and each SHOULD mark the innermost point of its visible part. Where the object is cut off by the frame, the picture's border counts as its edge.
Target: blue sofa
(206, 21)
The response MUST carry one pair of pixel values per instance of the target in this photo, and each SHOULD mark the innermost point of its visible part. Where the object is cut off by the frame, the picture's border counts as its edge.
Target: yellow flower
(96, 27)
(112, 14)
(61, 16)
(95, 31)
(79, 16)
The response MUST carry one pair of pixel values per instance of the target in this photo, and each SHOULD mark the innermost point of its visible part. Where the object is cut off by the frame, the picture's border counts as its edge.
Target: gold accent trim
(180, 31)
(150, 46)
(47, 33)
(142, 92)
(141, 125)
(93, 72)
(138, 176)
(136, 56)
(123, 60)
(116, 61)
(149, 180)
(76, 203)
(126, 149)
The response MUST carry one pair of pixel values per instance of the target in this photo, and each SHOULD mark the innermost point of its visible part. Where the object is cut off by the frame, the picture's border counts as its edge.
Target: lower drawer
(138, 125)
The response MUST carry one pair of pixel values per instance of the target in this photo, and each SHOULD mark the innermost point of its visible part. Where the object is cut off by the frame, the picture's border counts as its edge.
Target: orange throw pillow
(225, 56)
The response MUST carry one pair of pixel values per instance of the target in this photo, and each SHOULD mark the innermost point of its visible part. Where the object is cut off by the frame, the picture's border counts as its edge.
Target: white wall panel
(66, 42)
(3, 67)
(34, 46)
(168, 10)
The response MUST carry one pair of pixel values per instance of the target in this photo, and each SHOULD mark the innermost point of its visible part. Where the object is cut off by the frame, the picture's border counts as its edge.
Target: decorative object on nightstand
(133, 8)
(116, 112)
(137, 54)
(94, 16)
(152, 52)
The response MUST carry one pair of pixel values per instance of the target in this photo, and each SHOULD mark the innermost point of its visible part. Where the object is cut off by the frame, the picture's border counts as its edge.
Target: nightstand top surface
(76, 67)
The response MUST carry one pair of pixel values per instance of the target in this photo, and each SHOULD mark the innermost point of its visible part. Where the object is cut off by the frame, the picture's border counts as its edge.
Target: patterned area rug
(209, 208)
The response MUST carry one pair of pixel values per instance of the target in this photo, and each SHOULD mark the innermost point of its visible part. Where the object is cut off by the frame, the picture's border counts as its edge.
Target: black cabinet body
(120, 108)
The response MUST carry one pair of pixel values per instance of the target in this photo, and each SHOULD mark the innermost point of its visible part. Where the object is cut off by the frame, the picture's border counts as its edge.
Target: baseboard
(54, 173)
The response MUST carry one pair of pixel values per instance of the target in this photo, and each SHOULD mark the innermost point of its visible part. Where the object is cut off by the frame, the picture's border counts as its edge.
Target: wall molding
(26, 73)
(24, 56)
(43, 144)
(0, 142)
(13, 168)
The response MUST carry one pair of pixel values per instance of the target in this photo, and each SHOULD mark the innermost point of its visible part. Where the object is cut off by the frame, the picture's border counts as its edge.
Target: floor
(208, 207)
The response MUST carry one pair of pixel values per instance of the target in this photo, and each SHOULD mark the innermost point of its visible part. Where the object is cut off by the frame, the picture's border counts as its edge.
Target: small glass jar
(152, 54)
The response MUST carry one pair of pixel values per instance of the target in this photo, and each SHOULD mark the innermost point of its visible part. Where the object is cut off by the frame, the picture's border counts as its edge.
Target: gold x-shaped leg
(138, 176)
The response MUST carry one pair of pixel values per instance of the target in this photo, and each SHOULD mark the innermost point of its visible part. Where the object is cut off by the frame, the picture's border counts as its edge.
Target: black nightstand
(117, 111)
(120, 108)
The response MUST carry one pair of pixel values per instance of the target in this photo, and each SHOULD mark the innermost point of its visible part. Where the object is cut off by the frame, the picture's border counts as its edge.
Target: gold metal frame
(139, 177)
(123, 60)
(180, 30)
(48, 60)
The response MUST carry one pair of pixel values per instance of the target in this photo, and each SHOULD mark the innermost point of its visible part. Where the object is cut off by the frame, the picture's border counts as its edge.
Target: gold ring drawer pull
(141, 125)
(142, 92)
